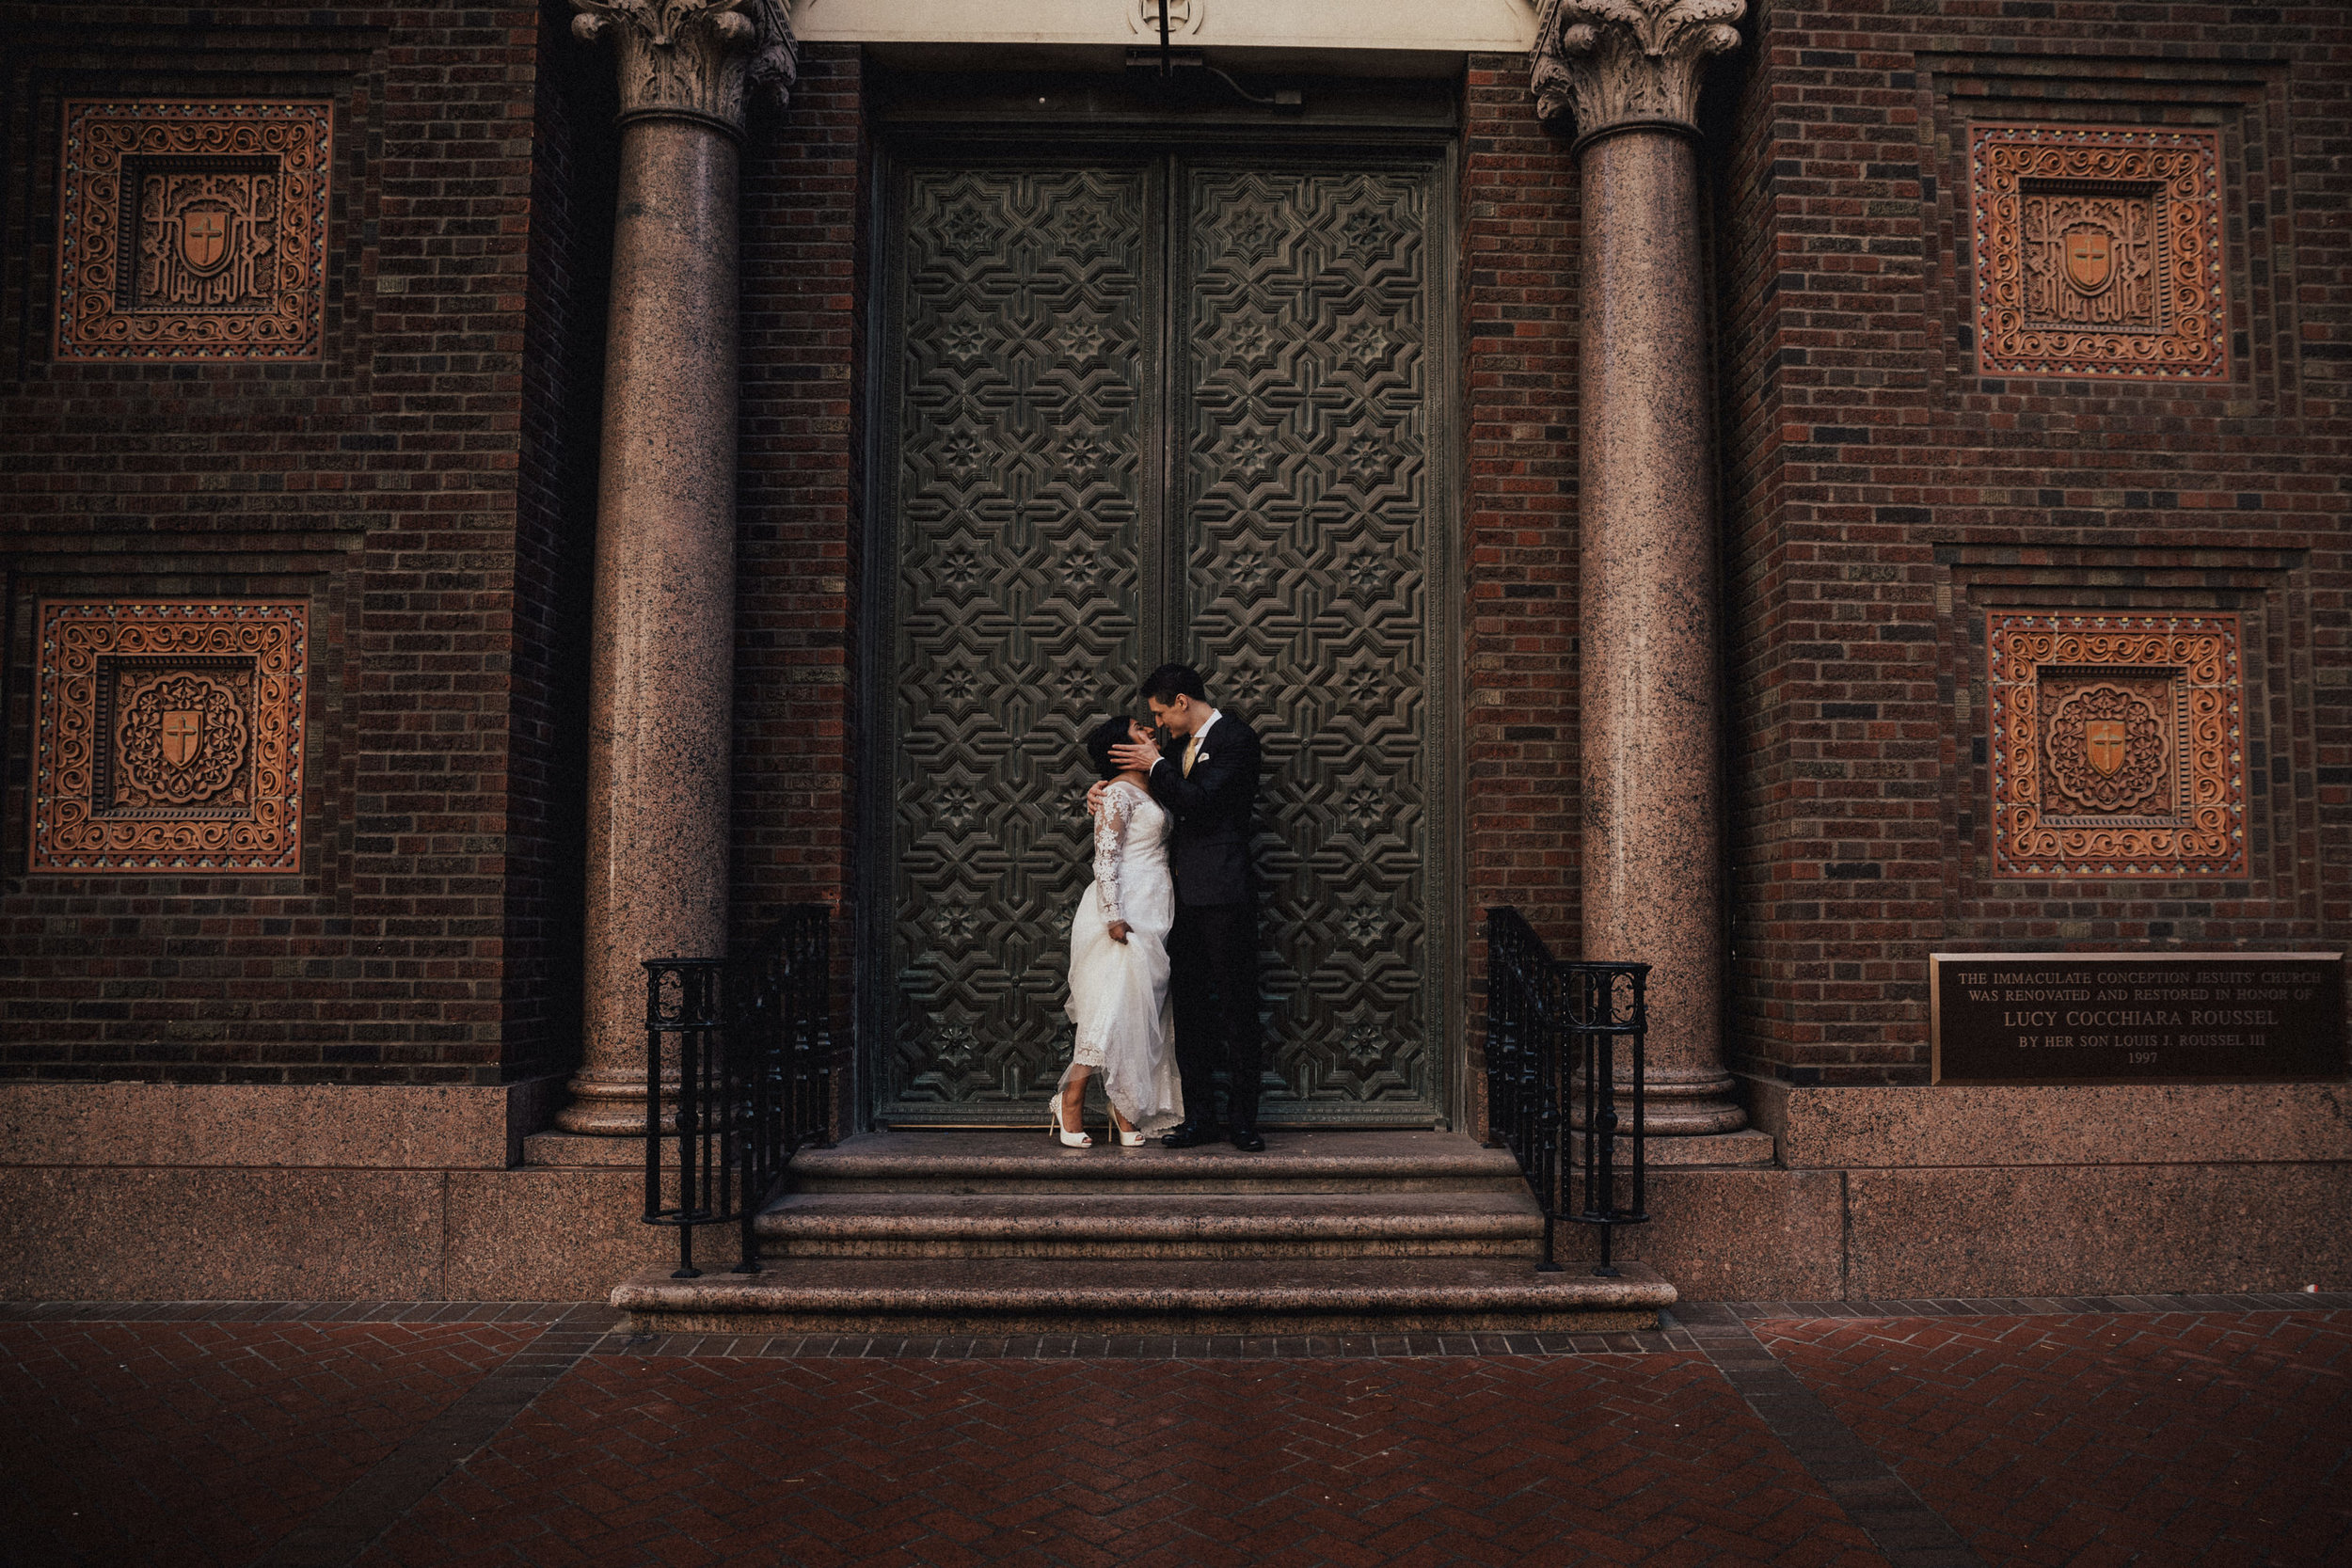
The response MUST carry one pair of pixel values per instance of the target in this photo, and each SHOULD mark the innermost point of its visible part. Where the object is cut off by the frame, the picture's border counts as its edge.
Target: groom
(1210, 785)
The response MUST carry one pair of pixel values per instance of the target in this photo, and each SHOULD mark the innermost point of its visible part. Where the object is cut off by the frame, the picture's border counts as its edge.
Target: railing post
(750, 1041)
(1550, 1024)
(1502, 1030)
(1640, 1038)
(1612, 1005)
(819, 1113)
(689, 1172)
(683, 1016)
(656, 1025)
(1593, 1064)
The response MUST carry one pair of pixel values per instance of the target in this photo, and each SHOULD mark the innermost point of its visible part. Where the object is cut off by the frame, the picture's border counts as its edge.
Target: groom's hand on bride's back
(1094, 795)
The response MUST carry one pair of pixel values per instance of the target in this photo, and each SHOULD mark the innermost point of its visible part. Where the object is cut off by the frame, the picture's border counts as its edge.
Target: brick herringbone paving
(204, 1443)
(232, 1434)
(2105, 1438)
(1620, 1459)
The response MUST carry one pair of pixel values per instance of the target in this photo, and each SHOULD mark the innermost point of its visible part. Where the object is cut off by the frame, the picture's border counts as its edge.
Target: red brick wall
(804, 281)
(1753, 343)
(427, 482)
(381, 481)
(1519, 236)
(1880, 493)
(573, 187)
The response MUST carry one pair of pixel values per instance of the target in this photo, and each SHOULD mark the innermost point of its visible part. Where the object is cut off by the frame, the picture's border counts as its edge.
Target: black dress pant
(1213, 960)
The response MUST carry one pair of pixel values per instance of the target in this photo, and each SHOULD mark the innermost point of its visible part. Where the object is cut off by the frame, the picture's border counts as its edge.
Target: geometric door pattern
(1304, 510)
(1021, 474)
(1074, 503)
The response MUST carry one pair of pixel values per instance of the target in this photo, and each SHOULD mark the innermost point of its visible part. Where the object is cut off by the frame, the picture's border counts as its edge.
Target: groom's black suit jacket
(1213, 807)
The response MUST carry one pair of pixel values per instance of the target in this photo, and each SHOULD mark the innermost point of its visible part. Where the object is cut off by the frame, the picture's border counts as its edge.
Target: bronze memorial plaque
(2121, 1018)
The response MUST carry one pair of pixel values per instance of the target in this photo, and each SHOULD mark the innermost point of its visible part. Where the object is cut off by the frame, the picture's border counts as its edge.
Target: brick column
(1652, 794)
(663, 635)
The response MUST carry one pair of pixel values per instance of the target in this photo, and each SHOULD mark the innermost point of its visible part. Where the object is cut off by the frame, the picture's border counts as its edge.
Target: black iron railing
(738, 1076)
(1554, 1033)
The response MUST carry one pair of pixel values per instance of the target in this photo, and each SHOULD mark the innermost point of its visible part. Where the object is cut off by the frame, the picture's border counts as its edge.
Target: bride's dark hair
(1109, 733)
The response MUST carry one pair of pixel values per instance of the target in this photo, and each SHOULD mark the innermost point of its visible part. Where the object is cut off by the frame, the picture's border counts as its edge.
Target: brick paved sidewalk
(2181, 1438)
(2190, 1431)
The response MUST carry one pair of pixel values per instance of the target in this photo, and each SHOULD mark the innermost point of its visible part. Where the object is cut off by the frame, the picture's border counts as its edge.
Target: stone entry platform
(1002, 1232)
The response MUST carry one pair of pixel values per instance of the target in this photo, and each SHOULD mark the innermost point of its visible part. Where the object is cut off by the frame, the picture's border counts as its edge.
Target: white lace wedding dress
(1119, 991)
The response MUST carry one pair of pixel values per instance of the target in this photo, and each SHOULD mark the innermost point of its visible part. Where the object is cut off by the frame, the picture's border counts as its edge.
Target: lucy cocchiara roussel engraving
(2071, 1018)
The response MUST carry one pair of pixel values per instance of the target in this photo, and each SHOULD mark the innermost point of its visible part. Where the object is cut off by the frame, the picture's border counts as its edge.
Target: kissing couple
(1167, 934)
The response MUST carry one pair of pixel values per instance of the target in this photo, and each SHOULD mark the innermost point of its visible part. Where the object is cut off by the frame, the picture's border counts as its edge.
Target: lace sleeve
(1110, 837)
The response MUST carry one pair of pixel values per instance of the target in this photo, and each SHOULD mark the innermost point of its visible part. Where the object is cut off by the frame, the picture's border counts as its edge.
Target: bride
(1118, 961)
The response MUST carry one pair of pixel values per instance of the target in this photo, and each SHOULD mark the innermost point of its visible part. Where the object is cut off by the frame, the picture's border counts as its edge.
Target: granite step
(1155, 1224)
(970, 1161)
(980, 1231)
(1144, 1295)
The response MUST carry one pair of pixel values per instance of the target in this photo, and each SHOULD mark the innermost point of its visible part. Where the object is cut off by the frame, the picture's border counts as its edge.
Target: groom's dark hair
(1171, 681)
(1099, 742)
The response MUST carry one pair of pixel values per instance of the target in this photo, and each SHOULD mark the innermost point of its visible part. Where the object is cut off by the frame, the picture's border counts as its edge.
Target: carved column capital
(699, 59)
(1627, 62)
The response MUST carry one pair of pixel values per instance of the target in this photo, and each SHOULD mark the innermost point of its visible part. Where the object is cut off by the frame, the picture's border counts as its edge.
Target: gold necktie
(1192, 749)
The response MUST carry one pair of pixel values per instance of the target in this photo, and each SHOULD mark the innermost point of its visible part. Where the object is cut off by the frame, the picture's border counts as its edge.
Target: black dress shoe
(1246, 1140)
(1189, 1135)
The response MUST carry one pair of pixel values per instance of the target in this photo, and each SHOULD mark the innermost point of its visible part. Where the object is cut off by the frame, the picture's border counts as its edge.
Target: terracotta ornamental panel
(2098, 251)
(2117, 747)
(167, 737)
(192, 230)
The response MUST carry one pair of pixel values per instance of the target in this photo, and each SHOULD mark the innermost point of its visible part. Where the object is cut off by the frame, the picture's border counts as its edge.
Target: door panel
(1022, 322)
(1304, 409)
(1159, 410)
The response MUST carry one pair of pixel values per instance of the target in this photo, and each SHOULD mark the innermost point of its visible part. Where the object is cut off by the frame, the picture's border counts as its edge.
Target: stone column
(1653, 889)
(663, 635)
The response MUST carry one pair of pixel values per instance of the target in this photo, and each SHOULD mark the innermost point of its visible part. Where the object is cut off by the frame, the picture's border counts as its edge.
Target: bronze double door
(1145, 407)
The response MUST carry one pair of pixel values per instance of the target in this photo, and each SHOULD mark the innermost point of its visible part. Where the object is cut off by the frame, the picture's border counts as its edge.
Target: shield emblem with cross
(184, 730)
(2090, 258)
(204, 237)
(2104, 739)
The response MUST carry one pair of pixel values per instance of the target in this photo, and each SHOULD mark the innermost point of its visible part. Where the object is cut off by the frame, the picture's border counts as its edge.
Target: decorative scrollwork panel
(2098, 251)
(2118, 746)
(169, 736)
(193, 230)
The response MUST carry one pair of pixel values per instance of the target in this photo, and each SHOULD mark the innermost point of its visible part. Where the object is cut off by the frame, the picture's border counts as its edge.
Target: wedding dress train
(1119, 991)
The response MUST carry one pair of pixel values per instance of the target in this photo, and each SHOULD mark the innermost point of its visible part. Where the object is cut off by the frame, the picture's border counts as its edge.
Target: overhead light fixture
(1167, 61)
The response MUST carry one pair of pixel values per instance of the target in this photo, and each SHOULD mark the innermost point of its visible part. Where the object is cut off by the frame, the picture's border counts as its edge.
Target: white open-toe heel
(1067, 1138)
(1125, 1137)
